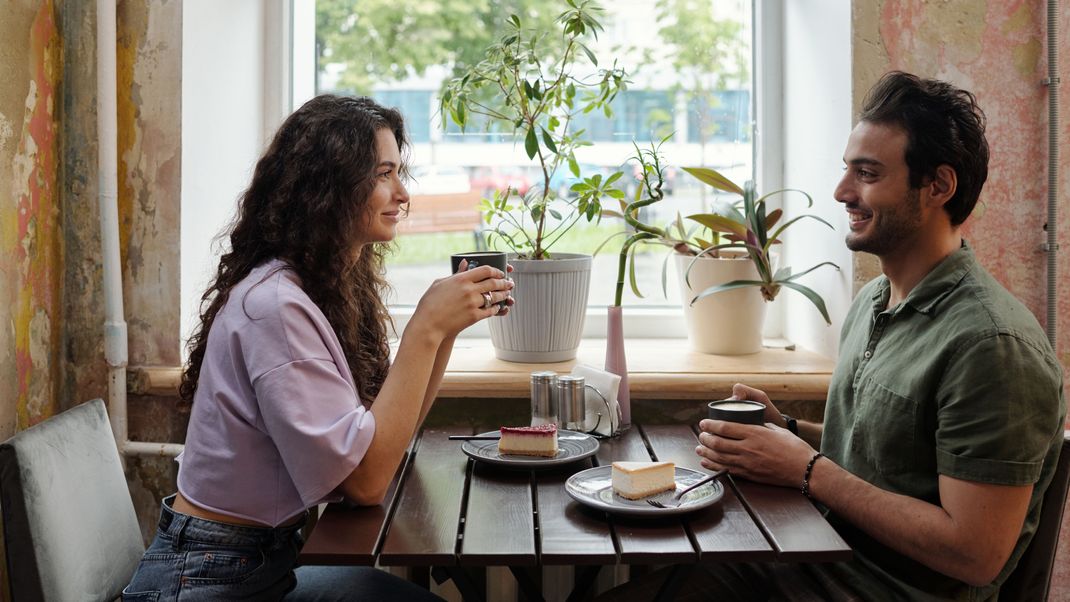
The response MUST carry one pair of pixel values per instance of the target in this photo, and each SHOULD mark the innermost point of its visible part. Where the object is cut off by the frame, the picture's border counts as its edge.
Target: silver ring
(487, 302)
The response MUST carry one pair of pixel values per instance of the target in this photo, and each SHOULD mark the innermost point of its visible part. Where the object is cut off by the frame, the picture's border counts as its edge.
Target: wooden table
(450, 513)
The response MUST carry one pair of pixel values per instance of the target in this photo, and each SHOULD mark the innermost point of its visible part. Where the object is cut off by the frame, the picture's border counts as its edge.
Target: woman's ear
(942, 186)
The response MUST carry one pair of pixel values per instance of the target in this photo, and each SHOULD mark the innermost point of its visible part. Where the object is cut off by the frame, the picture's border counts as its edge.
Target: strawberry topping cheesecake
(529, 440)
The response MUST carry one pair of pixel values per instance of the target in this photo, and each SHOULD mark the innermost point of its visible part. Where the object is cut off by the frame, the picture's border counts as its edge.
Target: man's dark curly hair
(944, 126)
(306, 204)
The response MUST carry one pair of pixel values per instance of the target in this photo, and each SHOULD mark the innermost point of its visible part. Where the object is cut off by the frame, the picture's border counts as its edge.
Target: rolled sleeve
(994, 412)
(317, 423)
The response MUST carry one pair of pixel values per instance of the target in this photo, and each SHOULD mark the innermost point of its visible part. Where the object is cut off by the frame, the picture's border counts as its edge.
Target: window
(400, 56)
(246, 64)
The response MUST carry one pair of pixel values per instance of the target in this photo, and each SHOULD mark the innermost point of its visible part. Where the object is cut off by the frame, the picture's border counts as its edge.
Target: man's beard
(890, 227)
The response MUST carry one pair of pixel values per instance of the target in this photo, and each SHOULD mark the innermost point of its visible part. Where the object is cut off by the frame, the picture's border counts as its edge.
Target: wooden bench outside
(444, 213)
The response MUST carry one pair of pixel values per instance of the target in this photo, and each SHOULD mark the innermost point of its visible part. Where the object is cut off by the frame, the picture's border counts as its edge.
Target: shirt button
(867, 354)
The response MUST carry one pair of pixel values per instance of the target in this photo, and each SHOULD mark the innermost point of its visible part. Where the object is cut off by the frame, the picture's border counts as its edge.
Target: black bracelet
(806, 475)
(791, 424)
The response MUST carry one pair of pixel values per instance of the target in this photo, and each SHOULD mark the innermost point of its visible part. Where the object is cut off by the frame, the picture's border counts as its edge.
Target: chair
(69, 526)
(1031, 579)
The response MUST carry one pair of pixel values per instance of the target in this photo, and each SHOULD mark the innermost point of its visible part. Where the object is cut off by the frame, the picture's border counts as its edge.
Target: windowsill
(657, 369)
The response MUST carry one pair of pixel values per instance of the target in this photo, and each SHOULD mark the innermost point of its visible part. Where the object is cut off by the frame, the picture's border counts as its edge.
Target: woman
(294, 398)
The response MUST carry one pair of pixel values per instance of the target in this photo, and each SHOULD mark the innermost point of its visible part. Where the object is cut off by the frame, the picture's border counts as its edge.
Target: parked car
(438, 179)
(487, 179)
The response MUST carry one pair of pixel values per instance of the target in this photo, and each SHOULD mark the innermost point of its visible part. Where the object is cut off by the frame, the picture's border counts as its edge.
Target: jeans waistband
(182, 527)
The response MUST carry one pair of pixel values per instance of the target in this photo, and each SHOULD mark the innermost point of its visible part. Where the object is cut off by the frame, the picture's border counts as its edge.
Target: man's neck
(905, 269)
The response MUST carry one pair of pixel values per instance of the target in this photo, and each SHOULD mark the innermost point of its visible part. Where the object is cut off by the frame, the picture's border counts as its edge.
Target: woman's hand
(454, 303)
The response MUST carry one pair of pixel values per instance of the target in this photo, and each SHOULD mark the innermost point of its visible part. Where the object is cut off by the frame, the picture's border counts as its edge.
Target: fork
(680, 494)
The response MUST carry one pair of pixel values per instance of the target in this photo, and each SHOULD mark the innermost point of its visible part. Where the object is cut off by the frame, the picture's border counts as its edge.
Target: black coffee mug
(475, 259)
(737, 410)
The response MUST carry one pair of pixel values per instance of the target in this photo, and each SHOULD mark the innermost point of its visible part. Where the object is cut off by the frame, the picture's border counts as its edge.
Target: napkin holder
(603, 415)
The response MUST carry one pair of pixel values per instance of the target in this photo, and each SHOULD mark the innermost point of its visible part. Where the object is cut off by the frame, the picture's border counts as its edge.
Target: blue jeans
(193, 559)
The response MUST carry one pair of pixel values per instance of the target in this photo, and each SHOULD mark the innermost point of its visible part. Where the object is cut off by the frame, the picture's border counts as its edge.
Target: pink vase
(616, 363)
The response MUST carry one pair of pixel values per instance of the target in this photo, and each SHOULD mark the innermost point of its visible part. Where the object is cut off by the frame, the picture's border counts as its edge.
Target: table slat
(569, 533)
(346, 535)
(423, 530)
(644, 540)
(725, 532)
(499, 522)
(797, 530)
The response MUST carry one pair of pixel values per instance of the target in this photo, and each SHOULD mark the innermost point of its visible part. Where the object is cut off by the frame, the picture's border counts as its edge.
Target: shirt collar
(936, 285)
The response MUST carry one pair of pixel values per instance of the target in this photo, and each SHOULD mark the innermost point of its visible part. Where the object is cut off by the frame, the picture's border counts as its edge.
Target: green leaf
(714, 178)
(529, 92)
(554, 213)
(531, 144)
(801, 274)
(665, 274)
(573, 165)
(632, 280)
(515, 20)
(728, 286)
(590, 55)
(814, 298)
(548, 141)
(719, 223)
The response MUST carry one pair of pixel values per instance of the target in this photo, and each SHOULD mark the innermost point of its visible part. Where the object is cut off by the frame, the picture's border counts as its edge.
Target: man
(945, 412)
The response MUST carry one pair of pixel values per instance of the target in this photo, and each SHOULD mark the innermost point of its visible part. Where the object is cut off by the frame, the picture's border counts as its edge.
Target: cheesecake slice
(529, 440)
(635, 480)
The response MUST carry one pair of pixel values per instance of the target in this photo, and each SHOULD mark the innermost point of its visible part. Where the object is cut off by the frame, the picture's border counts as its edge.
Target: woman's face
(388, 195)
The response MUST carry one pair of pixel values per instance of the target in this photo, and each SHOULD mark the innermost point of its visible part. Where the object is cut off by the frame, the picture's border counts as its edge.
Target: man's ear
(942, 186)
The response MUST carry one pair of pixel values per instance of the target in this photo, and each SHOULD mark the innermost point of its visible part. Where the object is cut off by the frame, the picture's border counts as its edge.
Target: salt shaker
(571, 402)
(543, 401)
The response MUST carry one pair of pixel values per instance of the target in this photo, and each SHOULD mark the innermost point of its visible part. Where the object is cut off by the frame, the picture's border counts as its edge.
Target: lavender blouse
(276, 424)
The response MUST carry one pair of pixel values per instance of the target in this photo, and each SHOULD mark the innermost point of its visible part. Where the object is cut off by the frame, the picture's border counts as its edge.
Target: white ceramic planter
(728, 323)
(546, 323)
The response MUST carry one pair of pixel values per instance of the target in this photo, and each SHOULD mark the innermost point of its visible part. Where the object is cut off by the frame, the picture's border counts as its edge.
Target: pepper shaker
(543, 401)
(571, 402)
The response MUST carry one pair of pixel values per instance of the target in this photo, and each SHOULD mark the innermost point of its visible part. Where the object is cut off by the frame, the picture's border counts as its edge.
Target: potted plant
(725, 259)
(533, 84)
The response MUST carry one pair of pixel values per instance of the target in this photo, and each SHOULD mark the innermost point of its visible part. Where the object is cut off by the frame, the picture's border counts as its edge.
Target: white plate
(577, 447)
(594, 487)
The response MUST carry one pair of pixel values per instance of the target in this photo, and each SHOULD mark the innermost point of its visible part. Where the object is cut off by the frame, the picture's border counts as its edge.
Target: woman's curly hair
(306, 205)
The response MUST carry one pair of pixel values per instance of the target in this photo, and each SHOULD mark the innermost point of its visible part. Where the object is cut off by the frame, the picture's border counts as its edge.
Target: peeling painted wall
(49, 225)
(30, 229)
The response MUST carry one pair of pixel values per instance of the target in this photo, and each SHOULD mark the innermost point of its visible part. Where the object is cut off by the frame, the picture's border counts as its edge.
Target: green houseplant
(740, 236)
(532, 84)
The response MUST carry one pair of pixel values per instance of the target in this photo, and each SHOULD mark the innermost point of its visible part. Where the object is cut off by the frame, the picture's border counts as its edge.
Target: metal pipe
(115, 332)
(143, 448)
(1052, 245)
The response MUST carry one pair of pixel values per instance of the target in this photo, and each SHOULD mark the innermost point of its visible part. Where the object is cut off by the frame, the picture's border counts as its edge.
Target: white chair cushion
(78, 518)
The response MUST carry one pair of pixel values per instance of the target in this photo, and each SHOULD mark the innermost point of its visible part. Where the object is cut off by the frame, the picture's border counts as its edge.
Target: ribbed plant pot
(546, 323)
(728, 323)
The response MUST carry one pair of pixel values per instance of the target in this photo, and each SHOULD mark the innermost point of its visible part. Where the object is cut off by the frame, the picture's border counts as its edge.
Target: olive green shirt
(957, 380)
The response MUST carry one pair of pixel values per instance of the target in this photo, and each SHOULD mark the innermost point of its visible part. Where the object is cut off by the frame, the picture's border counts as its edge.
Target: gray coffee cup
(737, 410)
(475, 259)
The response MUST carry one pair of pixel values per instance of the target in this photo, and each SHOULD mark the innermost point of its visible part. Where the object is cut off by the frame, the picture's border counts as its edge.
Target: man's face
(885, 213)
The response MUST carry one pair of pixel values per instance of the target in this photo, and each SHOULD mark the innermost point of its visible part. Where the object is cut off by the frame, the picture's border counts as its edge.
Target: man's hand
(767, 453)
(772, 414)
